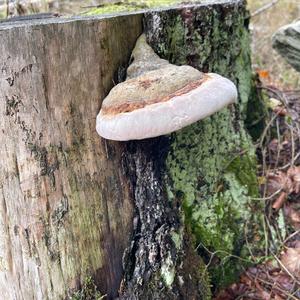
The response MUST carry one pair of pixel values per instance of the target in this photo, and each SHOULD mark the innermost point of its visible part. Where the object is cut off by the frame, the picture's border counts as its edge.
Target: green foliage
(88, 291)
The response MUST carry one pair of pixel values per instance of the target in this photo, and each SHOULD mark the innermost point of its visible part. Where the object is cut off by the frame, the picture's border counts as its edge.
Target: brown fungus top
(152, 87)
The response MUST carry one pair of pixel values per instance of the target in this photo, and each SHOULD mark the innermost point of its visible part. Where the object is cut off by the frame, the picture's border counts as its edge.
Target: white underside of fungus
(155, 101)
(168, 116)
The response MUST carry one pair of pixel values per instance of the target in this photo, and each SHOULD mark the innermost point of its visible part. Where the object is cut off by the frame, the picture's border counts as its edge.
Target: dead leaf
(264, 74)
(275, 182)
(287, 183)
(294, 174)
(278, 203)
(291, 260)
(232, 292)
(280, 111)
(292, 215)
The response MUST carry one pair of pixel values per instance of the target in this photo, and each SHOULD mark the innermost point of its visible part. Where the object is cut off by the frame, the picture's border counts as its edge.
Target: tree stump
(128, 214)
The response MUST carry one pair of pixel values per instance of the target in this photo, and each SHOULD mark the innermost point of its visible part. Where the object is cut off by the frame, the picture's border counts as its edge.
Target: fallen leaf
(292, 215)
(280, 111)
(264, 74)
(291, 260)
(278, 203)
(294, 174)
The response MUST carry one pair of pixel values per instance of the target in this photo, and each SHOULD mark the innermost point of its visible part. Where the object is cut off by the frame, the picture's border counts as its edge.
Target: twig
(290, 163)
(266, 236)
(285, 269)
(276, 287)
(269, 197)
(291, 236)
(265, 7)
(213, 254)
(265, 132)
(278, 144)
(247, 242)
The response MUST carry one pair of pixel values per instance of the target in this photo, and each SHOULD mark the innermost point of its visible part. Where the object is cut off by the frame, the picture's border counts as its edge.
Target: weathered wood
(65, 204)
(72, 202)
(287, 42)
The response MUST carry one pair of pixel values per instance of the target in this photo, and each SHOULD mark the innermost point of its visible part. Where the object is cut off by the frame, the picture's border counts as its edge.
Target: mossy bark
(211, 164)
(161, 262)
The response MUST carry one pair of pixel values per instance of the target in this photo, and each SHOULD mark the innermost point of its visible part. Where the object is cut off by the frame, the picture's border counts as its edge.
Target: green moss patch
(132, 5)
(212, 164)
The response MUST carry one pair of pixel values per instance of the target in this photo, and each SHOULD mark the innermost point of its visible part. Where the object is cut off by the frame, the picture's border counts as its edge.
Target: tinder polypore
(162, 100)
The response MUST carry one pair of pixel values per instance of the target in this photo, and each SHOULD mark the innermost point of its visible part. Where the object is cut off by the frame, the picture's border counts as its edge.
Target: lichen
(215, 180)
(212, 164)
(177, 238)
(131, 5)
(168, 272)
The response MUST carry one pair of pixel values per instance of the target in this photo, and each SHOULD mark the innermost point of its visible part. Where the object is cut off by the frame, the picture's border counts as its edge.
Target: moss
(131, 5)
(88, 291)
(243, 167)
(212, 164)
(194, 270)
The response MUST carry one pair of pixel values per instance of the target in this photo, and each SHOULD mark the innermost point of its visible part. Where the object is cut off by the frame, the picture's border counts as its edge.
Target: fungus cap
(162, 101)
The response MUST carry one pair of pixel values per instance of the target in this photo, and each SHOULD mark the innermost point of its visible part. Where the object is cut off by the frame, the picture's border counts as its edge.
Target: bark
(211, 165)
(66, 207)
(128, 214)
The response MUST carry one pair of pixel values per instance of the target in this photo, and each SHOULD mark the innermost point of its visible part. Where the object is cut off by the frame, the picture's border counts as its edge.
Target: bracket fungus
(158, 98)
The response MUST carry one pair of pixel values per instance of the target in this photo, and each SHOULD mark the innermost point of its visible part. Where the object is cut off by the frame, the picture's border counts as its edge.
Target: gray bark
(66, 208)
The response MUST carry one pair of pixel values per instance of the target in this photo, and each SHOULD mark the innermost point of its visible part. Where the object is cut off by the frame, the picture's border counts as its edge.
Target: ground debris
(283, 184)
(267, 281)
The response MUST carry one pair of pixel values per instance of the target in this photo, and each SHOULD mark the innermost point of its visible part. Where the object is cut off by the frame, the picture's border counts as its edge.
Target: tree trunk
(128, 214)
(211, 165)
